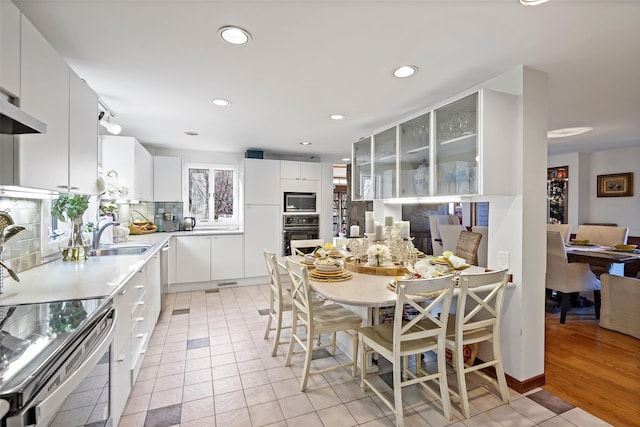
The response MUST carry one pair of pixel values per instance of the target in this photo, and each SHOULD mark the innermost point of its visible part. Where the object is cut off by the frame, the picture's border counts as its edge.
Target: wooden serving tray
(377, 271)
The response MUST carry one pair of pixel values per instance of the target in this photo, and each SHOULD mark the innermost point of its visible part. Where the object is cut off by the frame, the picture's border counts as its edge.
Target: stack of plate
(333, 276)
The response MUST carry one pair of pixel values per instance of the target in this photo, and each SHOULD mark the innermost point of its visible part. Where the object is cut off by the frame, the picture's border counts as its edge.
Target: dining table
(600, 258)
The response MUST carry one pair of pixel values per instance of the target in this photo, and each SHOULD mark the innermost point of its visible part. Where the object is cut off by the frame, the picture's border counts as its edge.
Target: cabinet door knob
(122, 292)
(121, 358)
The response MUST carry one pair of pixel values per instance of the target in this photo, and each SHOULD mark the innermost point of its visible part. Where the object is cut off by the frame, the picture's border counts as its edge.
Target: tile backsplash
(24, 253)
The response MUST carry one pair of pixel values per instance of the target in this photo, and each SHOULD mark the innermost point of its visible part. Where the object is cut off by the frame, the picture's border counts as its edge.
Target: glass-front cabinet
(456, 150)
(414, 157)
(362, 184)
(384, 166)
(452, 150)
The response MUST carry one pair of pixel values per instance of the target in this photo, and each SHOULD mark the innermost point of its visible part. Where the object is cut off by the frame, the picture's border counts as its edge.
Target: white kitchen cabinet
(43, 160)
(300, 170)
(193, 259)
(262, 230)
(83, 136)
(10, 48)
(226, 257)
(208, 258)
(167, 179)
(262, 182)
(123, 302)
(132, 162)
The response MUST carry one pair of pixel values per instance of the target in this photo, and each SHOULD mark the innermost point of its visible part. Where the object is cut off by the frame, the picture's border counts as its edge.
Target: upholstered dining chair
(467, 247)
(477, 319)
(402, 338)
(450, 234)
(279, 301)
(483, 247)
(300, 247)
(434, 227)
(564, 229)
(565, 277)
(325, 319)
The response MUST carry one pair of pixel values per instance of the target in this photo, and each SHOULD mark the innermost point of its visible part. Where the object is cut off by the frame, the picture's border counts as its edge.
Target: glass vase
(75, 245)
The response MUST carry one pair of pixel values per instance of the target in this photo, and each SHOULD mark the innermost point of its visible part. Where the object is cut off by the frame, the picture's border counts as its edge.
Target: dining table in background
(600, 257)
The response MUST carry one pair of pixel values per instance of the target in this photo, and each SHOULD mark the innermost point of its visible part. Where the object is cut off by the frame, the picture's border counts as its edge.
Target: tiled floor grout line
(207, 364)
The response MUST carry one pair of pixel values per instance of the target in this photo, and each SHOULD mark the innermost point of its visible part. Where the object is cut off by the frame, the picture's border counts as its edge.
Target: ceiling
(157, 63)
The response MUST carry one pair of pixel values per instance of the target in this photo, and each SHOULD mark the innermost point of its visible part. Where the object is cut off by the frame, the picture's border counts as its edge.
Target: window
(211, 193)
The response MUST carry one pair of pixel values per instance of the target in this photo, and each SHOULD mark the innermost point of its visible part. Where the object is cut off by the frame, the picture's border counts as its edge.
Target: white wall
(584, 205)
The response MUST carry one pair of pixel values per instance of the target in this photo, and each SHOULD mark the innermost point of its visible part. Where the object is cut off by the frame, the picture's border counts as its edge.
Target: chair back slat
(480, 300)
(438, 292)
(275, 282)
(300, 289)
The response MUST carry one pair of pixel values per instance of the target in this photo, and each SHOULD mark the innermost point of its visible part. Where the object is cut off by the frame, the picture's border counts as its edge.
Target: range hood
(14, 121)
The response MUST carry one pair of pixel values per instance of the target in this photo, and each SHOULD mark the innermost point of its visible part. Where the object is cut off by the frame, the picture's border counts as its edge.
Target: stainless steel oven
(300, 202)
(56, 363)
(299, 227)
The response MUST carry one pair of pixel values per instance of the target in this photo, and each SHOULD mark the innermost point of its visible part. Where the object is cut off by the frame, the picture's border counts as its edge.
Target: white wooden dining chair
(301, 247)
(279, 301)
(326, 319)
(402, 338)
(564, 229)
(477, 319)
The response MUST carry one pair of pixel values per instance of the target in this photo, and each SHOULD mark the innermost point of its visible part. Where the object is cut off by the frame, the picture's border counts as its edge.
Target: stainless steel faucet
(97, 233)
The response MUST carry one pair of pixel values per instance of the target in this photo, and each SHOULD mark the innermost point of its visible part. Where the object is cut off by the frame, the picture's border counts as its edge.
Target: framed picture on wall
(615, 185)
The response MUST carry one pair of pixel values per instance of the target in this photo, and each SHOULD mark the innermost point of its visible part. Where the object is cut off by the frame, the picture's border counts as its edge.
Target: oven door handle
(50, 405)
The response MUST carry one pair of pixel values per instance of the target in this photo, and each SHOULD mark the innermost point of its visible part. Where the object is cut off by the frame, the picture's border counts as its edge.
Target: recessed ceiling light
(405, 71)
(561, 133)
(305, 143)
(346, 159)
(220, 102)
(191, 133)
(337, 117)
(234, 35)
(532, 2)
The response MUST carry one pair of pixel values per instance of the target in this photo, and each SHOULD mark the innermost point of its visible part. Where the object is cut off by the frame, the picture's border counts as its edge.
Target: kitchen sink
(122, 250)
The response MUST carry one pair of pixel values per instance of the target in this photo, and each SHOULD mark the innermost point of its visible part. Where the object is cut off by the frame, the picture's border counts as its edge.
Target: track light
(112, 128)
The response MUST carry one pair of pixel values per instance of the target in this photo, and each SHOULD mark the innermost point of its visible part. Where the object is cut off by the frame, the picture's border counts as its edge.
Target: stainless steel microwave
(300, 202)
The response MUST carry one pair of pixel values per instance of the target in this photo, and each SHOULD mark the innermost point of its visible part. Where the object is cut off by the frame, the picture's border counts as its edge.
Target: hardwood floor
(592, 367)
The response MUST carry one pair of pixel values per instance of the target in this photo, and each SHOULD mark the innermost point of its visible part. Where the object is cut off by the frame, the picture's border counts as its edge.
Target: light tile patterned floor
(208, 365)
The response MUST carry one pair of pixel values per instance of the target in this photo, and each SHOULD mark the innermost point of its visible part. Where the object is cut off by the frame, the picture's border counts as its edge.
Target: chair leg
(597, 299)
(266, 333)
(294, 331)
(333, 343)
(307, 362)
(354, 368)
(462, 382)
(397, 392)
(363, 364)
(502, 380)
(443, 382)
(564, 305)
(276, 341)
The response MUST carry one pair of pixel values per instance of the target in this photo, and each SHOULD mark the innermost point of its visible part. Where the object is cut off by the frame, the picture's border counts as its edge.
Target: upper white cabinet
(64, 159)
(167, 179)
(452, 150)
(133, 164)
(44, 158)
(83, 136)
(300, 170)
(261, 182)
(10, 48)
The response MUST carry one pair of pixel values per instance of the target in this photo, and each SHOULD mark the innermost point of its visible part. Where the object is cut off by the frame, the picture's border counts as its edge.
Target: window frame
(212, 167)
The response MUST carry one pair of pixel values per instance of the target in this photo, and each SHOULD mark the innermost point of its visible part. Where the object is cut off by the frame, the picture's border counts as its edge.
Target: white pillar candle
(379, 232)
(403, 227)
(388, 221)
(355, 231)
(369, 225)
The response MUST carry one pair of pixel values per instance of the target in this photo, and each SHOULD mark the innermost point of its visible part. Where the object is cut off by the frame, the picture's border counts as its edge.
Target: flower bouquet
(377, 255)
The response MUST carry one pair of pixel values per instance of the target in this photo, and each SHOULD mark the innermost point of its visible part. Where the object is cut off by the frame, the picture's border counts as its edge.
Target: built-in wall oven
(299, 202)
(56, 363)
(299, 227)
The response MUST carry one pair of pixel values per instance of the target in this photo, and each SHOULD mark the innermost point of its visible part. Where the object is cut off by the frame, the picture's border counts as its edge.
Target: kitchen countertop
(99, 276)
